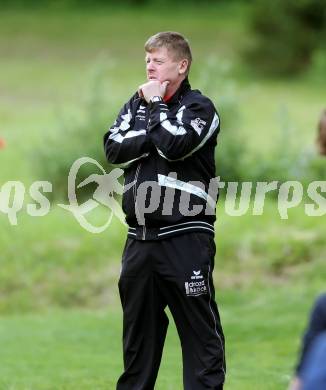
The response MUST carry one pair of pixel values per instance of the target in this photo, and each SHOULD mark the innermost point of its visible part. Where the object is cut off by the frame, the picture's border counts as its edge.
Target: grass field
(60, 322)
(80, 349)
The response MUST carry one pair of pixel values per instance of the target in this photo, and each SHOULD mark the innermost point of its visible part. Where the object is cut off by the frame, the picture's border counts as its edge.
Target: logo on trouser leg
(196, 287)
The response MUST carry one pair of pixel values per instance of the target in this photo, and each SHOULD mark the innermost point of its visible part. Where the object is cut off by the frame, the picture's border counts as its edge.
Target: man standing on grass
(164, 138)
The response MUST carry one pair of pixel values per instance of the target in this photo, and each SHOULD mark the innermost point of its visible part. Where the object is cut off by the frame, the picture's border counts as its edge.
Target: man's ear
(183, 66)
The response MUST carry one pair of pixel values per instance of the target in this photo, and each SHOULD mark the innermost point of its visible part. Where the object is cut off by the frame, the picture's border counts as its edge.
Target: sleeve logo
(198, 125)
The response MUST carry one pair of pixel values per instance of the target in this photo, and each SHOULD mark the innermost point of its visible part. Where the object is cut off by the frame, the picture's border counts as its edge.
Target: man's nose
(150, 66)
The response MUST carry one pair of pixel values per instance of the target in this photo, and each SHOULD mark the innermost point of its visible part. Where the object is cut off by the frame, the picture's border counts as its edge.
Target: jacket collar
(183, 88)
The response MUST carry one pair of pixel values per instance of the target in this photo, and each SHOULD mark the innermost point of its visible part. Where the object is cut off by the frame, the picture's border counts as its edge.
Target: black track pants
(175, 272)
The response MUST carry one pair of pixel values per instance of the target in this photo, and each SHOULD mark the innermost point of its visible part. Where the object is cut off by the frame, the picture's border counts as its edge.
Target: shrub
(286, 34)
(76, 138)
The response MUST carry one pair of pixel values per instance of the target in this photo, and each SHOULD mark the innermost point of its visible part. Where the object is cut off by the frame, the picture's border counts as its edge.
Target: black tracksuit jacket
(172, 145)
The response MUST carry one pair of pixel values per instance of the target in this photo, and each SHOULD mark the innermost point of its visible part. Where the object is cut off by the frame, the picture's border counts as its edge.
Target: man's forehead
(160, 52)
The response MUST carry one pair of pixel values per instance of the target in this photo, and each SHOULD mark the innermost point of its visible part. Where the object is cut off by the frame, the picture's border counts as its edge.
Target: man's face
(161, 66)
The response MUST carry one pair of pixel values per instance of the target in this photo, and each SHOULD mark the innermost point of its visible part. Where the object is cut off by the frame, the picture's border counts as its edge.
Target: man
(164, 138)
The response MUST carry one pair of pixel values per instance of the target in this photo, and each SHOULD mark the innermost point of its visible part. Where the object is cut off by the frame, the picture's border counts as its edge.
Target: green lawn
(82, 349)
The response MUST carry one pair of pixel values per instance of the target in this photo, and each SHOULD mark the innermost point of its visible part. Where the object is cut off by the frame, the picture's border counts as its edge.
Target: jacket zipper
(144, 227)
(135, 189)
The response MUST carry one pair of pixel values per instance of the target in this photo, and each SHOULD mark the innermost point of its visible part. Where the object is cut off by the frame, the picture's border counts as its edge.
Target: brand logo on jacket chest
(141, 113)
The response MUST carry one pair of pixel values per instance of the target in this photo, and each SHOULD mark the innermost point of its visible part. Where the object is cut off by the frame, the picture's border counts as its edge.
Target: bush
(287, 32)
(76, 138)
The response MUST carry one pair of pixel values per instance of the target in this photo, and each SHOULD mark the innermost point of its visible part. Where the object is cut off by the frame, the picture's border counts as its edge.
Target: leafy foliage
(287, 32)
